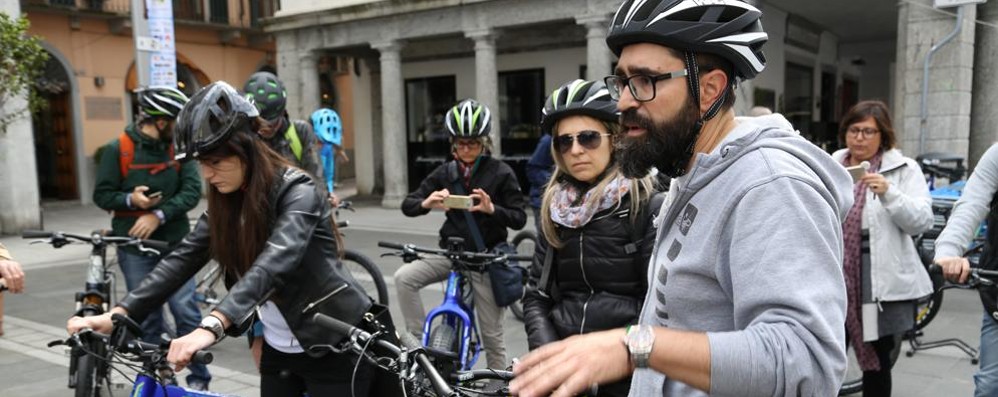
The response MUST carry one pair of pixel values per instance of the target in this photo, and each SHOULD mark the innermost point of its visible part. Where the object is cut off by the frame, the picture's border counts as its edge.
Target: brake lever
(144, 249)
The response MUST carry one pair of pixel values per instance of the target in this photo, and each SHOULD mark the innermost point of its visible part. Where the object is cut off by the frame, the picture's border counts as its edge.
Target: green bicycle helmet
(160, 101)
(267, 92)
(469, 119)
(578, 97)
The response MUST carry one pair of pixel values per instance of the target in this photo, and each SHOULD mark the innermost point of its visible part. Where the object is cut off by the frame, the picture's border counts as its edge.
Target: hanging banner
(163, 53)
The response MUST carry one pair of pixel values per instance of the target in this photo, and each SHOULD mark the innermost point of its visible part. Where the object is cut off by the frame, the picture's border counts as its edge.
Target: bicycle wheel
(525, 243)
(367, 275)
(87, 382)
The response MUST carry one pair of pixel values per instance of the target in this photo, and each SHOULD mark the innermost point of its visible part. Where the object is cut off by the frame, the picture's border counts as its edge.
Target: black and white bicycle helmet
(469, 119)
(578, 97)
(730, 29)
(212, 115)
(160, 101)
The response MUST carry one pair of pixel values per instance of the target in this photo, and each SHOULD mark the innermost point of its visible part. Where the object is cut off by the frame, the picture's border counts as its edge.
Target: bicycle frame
(456, 312)
(147, 386)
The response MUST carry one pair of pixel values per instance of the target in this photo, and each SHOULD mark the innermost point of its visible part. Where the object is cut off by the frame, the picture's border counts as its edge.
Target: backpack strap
(291, 135)
(126, 155)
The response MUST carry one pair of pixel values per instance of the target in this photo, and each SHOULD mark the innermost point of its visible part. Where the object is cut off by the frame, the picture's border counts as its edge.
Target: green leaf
(22, 64)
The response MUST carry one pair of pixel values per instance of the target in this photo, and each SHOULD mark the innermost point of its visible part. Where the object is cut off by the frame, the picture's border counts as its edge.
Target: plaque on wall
(102, 108)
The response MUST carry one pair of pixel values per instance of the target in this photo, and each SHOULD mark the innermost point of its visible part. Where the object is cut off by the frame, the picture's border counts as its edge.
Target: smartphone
(459, 202)
(154, 194)
(857, 172)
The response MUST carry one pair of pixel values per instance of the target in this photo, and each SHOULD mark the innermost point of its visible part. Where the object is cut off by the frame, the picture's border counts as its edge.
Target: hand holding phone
(154, 194)
(458, 202)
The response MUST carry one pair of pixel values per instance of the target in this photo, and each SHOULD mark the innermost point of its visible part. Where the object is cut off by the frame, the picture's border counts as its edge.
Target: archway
(57, 132)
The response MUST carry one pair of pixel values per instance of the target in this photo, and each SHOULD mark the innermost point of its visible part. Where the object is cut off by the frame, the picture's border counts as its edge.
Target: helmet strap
(693, 77)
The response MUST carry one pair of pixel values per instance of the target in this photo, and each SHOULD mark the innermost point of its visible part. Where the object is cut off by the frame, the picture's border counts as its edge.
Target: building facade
(91, 74)
(404, 63)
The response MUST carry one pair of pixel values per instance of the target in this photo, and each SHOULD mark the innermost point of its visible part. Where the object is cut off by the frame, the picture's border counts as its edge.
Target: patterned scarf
(567, 210)
(852, 232)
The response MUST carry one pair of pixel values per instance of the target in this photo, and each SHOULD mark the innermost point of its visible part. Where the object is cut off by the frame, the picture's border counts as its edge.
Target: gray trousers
(412, 277)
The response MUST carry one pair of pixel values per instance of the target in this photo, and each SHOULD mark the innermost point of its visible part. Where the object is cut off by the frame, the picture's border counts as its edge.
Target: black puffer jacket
(298, 270)
(495, 178)
(596, 284)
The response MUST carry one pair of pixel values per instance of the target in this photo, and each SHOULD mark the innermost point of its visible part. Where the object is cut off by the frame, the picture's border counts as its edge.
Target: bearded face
(666, 145)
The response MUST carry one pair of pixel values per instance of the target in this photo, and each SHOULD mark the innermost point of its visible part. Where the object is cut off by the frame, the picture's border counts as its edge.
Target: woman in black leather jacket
(596, 224)
(270, 227)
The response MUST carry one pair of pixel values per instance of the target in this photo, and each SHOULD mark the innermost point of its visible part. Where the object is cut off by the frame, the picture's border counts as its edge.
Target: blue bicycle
(450, 331)
(155, 377)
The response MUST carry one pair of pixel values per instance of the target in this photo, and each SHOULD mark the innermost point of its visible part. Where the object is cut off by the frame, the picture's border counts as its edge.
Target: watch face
(641, 339)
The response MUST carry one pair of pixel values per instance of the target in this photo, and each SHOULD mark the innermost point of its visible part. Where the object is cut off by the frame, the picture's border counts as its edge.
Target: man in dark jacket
(267, 92)
(149, 195)
(498, 204)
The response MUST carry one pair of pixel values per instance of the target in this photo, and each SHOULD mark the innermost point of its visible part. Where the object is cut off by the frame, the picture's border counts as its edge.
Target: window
(427, 100)
(521, 97)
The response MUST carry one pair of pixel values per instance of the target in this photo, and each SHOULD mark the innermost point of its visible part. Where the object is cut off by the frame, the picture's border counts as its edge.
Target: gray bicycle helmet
(160, 101)
(468, 119)
(578, 97)
(267, 92)
(211, 116)
(730, 29)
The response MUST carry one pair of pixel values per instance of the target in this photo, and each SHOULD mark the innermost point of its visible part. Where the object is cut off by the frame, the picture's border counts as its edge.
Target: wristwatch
(213, 324)
(639, 340)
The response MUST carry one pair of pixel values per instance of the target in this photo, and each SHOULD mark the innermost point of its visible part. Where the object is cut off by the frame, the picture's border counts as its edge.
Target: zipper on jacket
(582, 267)
(323, 299)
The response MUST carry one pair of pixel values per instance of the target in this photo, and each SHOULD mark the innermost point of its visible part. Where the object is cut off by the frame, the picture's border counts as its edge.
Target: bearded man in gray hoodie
(746, 295)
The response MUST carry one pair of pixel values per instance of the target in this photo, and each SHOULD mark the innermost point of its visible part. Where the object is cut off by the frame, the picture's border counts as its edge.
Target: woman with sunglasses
(590, 269)
(883, 271)
(269, 225)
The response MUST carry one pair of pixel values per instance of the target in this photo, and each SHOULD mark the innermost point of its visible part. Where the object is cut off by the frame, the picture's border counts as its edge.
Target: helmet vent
(644, 12)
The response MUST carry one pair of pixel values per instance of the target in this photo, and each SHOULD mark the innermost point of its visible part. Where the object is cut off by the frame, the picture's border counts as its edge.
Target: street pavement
(29, 368)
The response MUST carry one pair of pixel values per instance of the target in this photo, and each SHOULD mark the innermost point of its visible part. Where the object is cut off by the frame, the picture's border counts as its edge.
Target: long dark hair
(240, 222)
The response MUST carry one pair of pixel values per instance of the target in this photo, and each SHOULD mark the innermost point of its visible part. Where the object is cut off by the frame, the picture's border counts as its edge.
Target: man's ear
(712, 86)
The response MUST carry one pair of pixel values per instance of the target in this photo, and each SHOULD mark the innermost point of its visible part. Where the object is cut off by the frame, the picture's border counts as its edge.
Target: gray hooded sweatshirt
(749, 250)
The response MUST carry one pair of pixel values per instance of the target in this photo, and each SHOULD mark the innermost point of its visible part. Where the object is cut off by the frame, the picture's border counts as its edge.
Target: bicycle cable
(363, 354)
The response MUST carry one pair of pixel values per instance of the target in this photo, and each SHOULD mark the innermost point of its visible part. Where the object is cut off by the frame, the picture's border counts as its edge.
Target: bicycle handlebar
(58, 239)
(466, 255)
(355, 334)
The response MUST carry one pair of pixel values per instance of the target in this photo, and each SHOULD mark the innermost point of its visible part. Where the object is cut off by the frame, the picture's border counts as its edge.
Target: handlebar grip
(525, 258)
(202, 357)
(156, 245)
(388, 244)
(333, 324)
(35, 234)
(935, 269)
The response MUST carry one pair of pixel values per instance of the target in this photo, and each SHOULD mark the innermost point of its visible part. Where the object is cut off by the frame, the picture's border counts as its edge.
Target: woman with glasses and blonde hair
(590, 269)
(883, 271)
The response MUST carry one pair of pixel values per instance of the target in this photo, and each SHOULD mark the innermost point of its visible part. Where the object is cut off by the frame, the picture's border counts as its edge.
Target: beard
(667, 146)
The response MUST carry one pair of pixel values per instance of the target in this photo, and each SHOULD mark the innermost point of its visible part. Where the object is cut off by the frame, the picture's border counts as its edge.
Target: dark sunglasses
(587, 139)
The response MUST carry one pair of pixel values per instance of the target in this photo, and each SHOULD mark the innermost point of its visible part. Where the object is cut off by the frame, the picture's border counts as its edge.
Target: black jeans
(878, 383)
(291, 375)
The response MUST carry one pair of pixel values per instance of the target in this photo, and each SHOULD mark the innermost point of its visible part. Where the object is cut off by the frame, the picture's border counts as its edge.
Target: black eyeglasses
(587, 139)
(866, 132)
(642, 86)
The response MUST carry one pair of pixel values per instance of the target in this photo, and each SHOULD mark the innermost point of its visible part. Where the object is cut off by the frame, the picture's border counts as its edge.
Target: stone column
(309, 85)
(487, 80)
(393, 123)
(599, 58)
(984, 120)
(947, 127)
(289, 69)
(19, 197)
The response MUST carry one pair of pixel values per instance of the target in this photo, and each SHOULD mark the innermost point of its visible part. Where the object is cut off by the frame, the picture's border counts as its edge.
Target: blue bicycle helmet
(328, 126)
